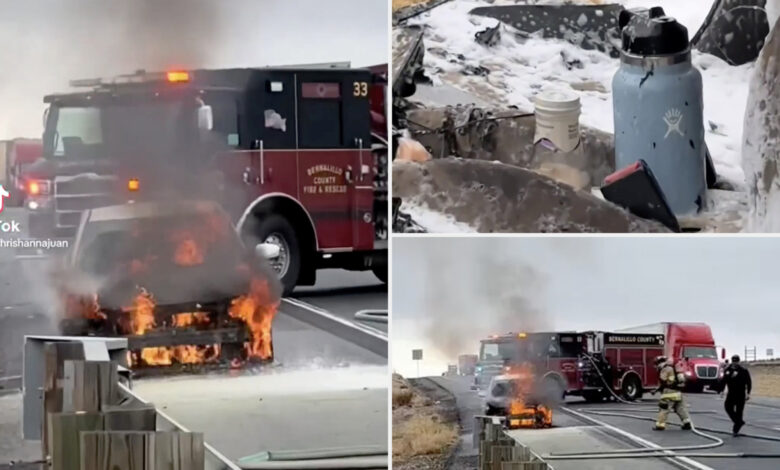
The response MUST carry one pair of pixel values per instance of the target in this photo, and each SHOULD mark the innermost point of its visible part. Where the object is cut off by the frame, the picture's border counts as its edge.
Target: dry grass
(422, 434)
(402, 397)
(766, 380)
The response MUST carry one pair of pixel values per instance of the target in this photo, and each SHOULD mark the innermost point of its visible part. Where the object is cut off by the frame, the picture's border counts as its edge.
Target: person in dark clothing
(737, 379)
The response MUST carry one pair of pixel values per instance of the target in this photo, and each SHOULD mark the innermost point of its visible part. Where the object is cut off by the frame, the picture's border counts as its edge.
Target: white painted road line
(639, 440)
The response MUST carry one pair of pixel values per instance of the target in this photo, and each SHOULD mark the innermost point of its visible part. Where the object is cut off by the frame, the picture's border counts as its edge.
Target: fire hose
(654, 452)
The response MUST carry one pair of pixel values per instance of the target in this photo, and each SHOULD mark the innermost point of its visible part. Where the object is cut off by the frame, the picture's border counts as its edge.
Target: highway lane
(573, 434)
(343, 293)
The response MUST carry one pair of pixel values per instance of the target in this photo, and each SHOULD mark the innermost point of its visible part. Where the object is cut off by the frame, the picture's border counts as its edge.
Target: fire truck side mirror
(267, 251)
(205, 118)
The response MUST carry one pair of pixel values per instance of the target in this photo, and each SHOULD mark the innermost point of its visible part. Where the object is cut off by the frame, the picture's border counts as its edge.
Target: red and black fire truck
(297, 155)
(591, 364)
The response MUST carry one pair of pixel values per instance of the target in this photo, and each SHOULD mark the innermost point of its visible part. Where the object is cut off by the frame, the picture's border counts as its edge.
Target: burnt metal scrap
(587, 26)
(734, 30)
(495, 197)
(408, 52)
(490, 36)
(504, 135)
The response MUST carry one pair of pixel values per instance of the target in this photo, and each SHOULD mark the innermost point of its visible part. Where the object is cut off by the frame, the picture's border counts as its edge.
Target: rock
(761, 146)
(495, 197)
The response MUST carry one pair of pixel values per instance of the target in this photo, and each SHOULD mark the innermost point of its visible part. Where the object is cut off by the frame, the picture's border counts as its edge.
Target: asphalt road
(344, 293)
(574, 434)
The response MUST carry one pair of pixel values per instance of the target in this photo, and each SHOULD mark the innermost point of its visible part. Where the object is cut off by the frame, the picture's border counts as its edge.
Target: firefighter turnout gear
(670, 385)
(737, 380)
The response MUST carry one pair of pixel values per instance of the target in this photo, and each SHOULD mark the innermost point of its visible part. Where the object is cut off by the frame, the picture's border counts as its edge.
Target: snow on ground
(434, 221)
(520, 68)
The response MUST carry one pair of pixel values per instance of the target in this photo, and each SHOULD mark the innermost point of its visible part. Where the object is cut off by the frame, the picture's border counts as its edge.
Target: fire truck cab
(296, 155)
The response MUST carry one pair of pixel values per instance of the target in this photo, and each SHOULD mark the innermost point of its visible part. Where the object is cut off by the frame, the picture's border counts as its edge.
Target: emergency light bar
(140, 76)
(178, 76)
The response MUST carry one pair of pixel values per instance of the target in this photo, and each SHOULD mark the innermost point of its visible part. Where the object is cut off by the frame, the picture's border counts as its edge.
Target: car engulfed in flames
(176, 281)
(516, 396)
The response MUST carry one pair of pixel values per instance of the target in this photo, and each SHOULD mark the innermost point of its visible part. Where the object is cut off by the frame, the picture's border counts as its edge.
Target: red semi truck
(297, 155)
(692, 348)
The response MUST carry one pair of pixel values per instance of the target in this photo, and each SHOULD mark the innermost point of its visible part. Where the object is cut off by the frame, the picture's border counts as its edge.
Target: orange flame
(142, 313)
(142, 321)
(257, 310)
(188, 252)
(521, 413)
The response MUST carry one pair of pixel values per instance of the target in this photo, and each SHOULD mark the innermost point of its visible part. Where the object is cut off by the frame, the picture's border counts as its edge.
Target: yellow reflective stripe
(675, 396)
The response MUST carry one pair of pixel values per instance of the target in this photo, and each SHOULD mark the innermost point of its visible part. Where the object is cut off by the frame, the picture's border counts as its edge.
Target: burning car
(516, 396)
(175, 279)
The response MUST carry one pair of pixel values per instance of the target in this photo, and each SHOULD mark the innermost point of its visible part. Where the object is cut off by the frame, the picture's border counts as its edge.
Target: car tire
(631, 388)
(276, 229)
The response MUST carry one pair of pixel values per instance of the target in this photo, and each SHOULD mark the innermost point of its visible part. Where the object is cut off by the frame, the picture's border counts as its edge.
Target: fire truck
(17, 155)
(592, 364)
(297, 156)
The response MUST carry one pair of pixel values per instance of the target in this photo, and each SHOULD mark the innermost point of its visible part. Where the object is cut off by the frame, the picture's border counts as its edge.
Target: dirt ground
(425, 425)
(766, 379)
(398, 4)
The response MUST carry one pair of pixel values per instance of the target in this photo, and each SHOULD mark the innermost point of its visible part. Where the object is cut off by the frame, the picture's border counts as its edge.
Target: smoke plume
(473, 290)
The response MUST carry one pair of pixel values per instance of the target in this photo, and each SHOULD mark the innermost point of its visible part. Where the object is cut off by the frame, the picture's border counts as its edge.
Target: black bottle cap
(648, 32)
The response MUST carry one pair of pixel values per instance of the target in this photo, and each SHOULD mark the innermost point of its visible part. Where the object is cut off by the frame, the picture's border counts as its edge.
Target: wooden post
(130, 418)
(55, 353)
(89, 385)
(64, 429)
(109, 450)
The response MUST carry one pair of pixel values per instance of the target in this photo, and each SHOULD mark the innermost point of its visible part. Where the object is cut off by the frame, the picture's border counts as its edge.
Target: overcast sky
(443, 301)
(46, 43)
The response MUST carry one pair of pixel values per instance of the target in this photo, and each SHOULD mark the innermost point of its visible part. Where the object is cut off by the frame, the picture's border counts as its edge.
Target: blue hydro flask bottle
(658, 110)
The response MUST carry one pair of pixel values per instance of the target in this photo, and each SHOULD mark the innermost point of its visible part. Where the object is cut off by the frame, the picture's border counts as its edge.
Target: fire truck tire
(277, 229)
(631, 388)
(381, 273)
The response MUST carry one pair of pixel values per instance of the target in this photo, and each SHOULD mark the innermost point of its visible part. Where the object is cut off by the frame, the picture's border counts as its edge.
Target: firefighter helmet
(660, 361)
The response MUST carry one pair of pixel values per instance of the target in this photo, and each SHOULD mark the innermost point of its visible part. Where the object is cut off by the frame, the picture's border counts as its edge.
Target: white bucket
(558, 119)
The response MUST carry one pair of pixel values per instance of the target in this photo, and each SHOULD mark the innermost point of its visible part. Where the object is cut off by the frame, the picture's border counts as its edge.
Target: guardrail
(499, 451)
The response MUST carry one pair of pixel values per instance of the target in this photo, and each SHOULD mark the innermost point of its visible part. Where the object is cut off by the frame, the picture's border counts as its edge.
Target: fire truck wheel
(276, 230)
(632, 388)
(381, 273)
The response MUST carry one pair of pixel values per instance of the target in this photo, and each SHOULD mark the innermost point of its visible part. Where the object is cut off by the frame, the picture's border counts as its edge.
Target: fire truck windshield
(119, 130)
(700, 352)
(498, 351)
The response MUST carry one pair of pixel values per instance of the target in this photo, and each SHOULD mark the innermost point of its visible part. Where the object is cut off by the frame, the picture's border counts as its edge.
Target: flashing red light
(133, 184)
(178, 76)
(34, 188)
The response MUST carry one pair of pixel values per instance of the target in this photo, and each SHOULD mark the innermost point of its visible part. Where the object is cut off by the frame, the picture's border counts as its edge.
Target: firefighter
(739, 384)
(670, 384)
